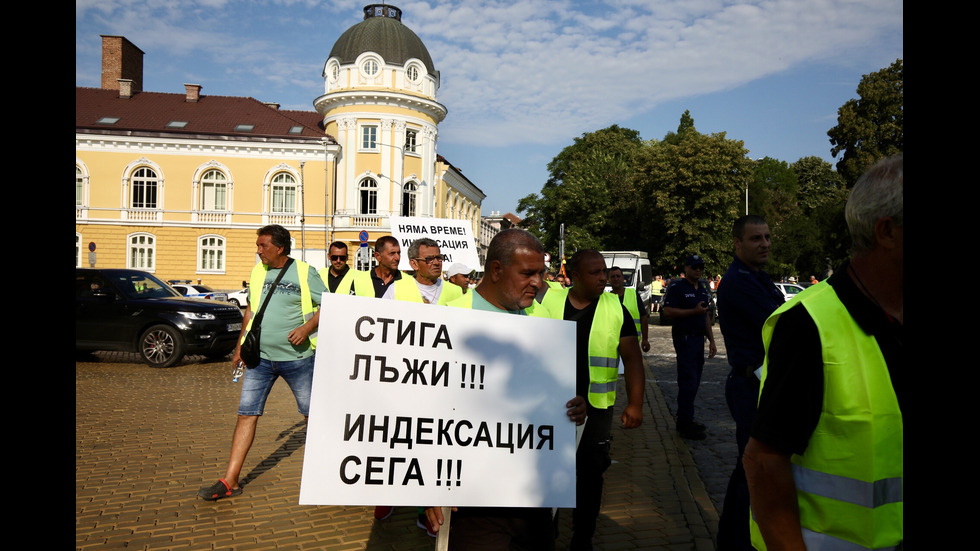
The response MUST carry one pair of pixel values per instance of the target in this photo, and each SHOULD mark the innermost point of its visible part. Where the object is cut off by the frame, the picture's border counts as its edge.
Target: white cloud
(549, 68)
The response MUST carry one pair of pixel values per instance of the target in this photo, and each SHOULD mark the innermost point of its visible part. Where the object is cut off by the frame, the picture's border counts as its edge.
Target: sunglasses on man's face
(336, 257)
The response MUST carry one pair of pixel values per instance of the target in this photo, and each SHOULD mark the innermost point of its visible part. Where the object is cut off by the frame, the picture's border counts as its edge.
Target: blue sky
(522, 79)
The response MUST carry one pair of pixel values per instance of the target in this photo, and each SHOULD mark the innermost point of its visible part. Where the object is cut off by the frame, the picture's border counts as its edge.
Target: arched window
(144, 189)
(211, 254)
(283, 193)
(409, 199)
(214, 191)
(369, 197)
(79, 187)
(142, 252)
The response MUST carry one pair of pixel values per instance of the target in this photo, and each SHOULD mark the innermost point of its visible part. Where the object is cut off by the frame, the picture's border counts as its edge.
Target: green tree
(870, 128)
(693, 183)
(592, 189)
(772, 191)
(819, 184)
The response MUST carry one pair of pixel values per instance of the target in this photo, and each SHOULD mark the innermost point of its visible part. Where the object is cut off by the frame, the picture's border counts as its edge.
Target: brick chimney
(121, 59)
(125, 88)
(193, 92)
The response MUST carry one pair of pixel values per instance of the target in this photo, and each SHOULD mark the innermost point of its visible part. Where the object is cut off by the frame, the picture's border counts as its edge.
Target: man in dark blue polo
(686, 304)
(746, 297)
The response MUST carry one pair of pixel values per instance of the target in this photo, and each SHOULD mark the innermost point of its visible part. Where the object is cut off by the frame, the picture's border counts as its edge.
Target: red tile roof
(211, 115)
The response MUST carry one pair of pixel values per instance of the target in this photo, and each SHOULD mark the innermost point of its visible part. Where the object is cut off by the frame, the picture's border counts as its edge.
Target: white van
(636, 271)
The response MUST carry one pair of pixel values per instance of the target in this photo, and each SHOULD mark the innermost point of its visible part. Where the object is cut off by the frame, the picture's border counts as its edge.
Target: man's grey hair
(413, 249)
(506, 243)
(876, 195)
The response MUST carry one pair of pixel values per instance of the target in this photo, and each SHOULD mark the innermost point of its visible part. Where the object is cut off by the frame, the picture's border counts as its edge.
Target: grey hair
(413, 249)
(877, 194)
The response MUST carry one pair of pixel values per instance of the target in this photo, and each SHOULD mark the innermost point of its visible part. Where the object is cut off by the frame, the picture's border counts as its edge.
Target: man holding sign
(514, 270)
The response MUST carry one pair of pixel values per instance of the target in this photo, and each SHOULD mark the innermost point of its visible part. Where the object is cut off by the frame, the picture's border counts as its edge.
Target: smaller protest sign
(454, 237)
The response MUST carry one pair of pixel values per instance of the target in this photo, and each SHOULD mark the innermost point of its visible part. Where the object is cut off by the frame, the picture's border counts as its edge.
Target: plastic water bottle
(238, 372)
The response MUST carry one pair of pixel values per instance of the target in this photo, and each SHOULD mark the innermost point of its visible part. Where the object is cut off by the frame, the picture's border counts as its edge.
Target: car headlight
(197, 315)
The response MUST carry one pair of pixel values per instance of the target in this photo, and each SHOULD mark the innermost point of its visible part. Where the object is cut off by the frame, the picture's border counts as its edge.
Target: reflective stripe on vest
(631, 304)
(604, 351)
(257, 281)
(849, 480)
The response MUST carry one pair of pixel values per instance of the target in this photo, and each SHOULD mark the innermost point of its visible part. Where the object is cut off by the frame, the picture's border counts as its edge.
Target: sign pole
(442, 539)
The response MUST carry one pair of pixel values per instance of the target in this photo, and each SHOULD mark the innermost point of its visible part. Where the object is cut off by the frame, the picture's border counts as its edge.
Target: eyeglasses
(338, 257)
(431, 259)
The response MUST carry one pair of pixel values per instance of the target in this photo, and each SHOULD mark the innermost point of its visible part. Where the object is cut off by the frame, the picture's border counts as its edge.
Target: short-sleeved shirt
(746, 298)
(683, 295)
(285, 313)
(792, 397)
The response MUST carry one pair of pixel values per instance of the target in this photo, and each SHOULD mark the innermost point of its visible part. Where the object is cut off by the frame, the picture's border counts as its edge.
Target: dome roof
(383, 33)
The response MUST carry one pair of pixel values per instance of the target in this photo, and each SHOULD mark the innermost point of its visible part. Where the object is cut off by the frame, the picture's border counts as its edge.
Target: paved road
(146, 439)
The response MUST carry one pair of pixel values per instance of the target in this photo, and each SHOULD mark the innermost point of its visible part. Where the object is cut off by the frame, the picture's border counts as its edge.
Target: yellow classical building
(177, 184)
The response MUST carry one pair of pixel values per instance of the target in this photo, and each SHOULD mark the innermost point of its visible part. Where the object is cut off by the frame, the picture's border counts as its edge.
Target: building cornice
(184, 144)
(333, 100)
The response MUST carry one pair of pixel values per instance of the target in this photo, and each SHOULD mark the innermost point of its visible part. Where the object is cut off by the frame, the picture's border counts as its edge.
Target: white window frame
(367, 190)
(141, 251)
(412, 146)
(370, 67)
(279, 182)
(211, 254)
(410, 199)
(210, 183)
(140, 180)
(367, 138)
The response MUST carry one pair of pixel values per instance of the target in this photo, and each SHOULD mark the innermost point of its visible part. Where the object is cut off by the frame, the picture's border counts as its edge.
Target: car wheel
(161, 346)
(235, 302)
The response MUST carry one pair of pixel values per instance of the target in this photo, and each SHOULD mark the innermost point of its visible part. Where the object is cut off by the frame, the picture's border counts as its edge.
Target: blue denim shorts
(258, 382)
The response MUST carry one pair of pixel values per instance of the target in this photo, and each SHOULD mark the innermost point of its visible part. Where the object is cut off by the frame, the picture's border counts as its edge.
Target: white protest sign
(455, 238)
(426, 405)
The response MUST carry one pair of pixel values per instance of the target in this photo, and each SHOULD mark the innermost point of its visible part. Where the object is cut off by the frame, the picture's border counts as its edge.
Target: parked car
(198, 291)
(789, 290)
(239, 298)
(133, 311)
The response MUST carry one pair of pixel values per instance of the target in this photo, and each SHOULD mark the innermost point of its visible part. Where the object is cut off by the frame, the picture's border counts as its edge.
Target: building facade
(177, 184)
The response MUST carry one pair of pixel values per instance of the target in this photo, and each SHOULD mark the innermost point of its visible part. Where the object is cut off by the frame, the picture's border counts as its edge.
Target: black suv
(130, 310)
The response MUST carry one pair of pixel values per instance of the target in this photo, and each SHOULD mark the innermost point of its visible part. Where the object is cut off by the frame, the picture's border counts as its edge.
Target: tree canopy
(592, 189)
(693, 183)
(680, 195)
(870, 128)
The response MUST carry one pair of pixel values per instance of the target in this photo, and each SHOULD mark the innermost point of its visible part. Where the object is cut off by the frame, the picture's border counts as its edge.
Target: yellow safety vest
(359, 280)
(631, 304)
(849, 479)
(535, 310)
(604, 351)
(407, 290)
(553, 301)
(257, 281)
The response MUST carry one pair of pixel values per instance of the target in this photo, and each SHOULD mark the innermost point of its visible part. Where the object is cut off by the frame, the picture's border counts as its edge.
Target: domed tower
(380, 105)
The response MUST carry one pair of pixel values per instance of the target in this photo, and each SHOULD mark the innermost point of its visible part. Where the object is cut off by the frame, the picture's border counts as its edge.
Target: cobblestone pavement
(146, 440)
